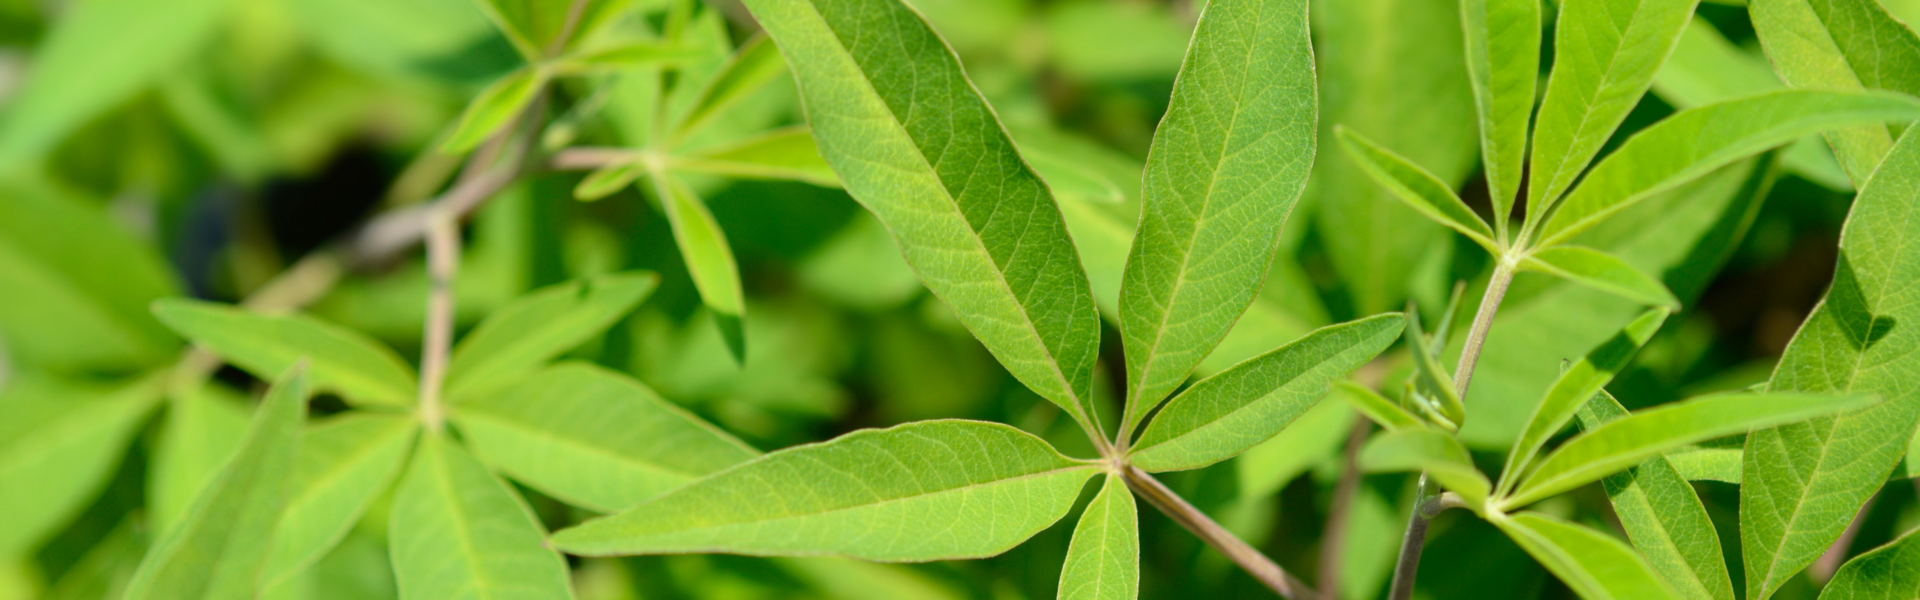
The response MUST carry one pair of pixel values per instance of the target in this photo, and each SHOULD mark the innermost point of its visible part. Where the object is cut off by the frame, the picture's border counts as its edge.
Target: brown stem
(1333, 539)
(443, 264)
(1202, 526)
(1408, 566)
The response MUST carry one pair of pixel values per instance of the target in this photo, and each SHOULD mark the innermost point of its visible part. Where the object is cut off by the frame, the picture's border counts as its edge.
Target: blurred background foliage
(207, 146)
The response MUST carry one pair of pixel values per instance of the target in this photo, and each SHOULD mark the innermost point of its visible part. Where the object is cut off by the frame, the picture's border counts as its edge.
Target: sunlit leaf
(785, 153)
(345, 464)
(1103, 561)
(59, 443)
(709, 259)
(1663, 517)
(339, 360)
(458, 531)
(494, 109)
(1890, 572)
(1503, 60)
(522, 336)
(1842, 45)
(1604, 272)
(1434, 453)
(1576, 385)
(1595, 565)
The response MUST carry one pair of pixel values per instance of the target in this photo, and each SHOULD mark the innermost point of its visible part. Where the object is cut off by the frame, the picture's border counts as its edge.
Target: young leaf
(217, 550)
(345, 464)
(458, 531)
(1663, 517)
(930, 490)
(1602, 271)
(1890, 572)
(1376, 407)
(1615, 446)
(709, 259)
(1574, 388)
(522, 336)
(1694, 141)
(1416, 187)
(786, 153)
(1224, 415)
(915, 143)
(494, 109)
(1430, 379)
(1842, 45)
(1503, 61)
(59, 444)
(1227, 165)
(1595, 565)
(607, 180)
(1801, 479)
(1605, 55)
(752, 66)
(339, 360)
(1103, 561)
(203, 429)
(1433, 452)
(593, 438)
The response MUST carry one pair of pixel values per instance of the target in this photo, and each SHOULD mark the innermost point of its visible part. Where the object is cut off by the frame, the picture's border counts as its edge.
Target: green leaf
(1227, 164)
(1708, 464)
(459, 532)
(1576, 385)
(59, 445)
(345, 464)
(1890, 572)
(1431, 385)
(607, 180)
(1602, 271)
(1621, 444)
(593, 438)
(97, 56)
(1596, 566)
(494, 109)
(78, 285)
(1663, 517)
(203, 429)
(536, 26)
(340, 360)
(407, 40)
(1503, 62)
(216, 551)
(1842, 45)
(709, 259)
(930, 490)
(785, 153)
(1416, 187)
(1433, 452)
(1606, 53)
(913, 142)
(751, 67)
(1376, 407)
(1103, 561)
(629, 55)
(1224, 415)
(522, 336)
(1068, 176)
(1695, 141)
(1800, 479)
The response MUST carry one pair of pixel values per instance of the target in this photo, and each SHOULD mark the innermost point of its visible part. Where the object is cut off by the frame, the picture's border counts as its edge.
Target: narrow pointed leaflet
(59, 445)
(709, 259)
(913, 141)
(1842, 45)
(520, 337)
(1890, 572)
(1416, 187)
(1803, 482)
(1432, 452)
(1594, 564)
(459, 532)
(1663, 517)
(340, 360)
(1227, 165)
(1572, 390)
(345, 465)
(1604, 272)
(1103, 561)
(1503, 61)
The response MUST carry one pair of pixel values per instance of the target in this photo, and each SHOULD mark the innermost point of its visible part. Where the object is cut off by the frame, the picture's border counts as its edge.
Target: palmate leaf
(1664, 517)
(1503, 62)
(1227, 165)
(593, 438)
(1416, 187)
(913, 142)
(217, 550)
(1236, 409)
(1604, 272)
(522, 336)
(1803, 482)
(709, 258)
(1574, 388)
(1842, 45)
(459, 532)
(1890, 572)
(59, 444)
(345, 464)
(1103, 561)
(1595, 565)
(1433, 452)
(341, 360)
(930, 490)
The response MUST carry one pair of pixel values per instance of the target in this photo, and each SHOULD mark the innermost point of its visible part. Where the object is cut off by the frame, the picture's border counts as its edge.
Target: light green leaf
(536, 26)
(929, 490)
(1227, 165)
(345, 464)
(1663, 517)
(1376, 407)
(203, 429)
(1438, 398)
(752, 66)
(848, 579)
(1103, 561)
(709, 259)
(785, 153)
(1601, 271)
(1595, 565)
(1890, 572)
(1068, 176)
(104, 571)
(628, 55)
(1842, 45)
(339, 360)
(1803, 481)
(459, 532)
(1695, 141)
(593, 438)
(1433, 452)
(1224, 415)
(914, 143)
(1576, 385)
(494, 109)
(522, 336)
(1707, 464)
(59, 444)
(217, 550)
(99, 55)
(607, 180)
(1606, 53)
(1416, 187)
(1503, 60)
(1621, 444)
(396, 39)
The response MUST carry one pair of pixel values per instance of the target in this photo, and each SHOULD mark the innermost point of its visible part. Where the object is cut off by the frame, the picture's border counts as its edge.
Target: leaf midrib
(469, 414)
(482, 585)
(881, 502)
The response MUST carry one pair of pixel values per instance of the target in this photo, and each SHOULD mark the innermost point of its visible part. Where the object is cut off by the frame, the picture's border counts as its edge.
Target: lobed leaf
(1103, 560)
(1434, 453)
(520, 337)
(1416, 187)
(1595, 565)
(1842, 45)
(1576, 385)
(1663, 517)
(458, 531)
(1503, 62)
(345, 464)
(339, 360)
(1604, 272)
(59, 445)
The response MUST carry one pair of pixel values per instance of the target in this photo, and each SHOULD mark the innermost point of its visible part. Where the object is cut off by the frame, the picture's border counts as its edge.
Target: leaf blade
(1595, 565)
(1604, 272)
(1573, 388)
(716, 275)
(1844, 45)
(1415, 187)
(1664, 517)
(1890, 571)
(1103, 560)
(340, 360)
(456, 529)
(345, 464)
(1434, 453)
(523, 335)
(1503, 62)
(57, 451)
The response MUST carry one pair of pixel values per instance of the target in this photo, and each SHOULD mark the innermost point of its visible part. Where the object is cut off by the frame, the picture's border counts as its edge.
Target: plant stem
(1482, 321)
(1408, 566)
(443, 264)
(1204, 527)
(1333, 539)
